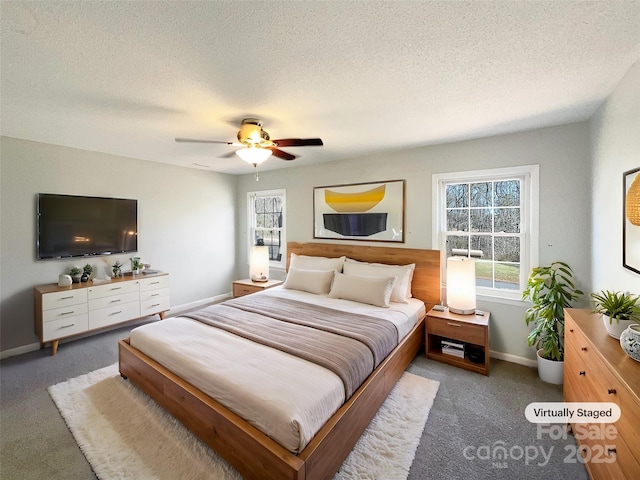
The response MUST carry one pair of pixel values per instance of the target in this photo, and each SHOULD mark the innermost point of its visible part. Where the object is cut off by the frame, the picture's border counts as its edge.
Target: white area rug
(124, 434)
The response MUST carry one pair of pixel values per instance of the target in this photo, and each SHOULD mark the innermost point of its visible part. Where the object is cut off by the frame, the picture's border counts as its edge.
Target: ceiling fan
(258, 145)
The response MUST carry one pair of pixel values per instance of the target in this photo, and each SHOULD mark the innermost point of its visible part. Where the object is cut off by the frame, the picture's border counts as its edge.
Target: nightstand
(246, 286)
(470, 330)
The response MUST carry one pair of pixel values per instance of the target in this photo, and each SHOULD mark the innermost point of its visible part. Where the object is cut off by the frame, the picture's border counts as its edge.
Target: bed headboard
(426, 277)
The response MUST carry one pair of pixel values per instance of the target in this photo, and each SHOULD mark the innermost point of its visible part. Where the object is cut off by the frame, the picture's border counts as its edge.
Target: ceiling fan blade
(281, 154)
(228, 155)
(298, 142)
(194, 140)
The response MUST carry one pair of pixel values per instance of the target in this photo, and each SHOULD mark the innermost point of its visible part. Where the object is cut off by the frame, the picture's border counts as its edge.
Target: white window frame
(529, 225)
(251, 223)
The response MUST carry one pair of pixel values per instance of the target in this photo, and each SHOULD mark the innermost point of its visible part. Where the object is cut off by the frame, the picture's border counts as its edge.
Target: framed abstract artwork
(360, 211)
(631, 220)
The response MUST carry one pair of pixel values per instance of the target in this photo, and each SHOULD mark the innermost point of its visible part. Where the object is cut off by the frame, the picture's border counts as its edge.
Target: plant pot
(76, 278)
(550, 371)
(630, 341)
(615, 327)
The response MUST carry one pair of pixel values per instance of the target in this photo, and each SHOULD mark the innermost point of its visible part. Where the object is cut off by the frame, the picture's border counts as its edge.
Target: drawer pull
(116, 301)
(612, 391)
(154, 305)
(116, 288)
(154, 283)
(584, 349)
(67, 326)
(571, 330)
(611, 450)
(454, 324)
(67, 313)
(583, 373)
(583, 451)
(66, 298)
(116, 313)
(155, 294)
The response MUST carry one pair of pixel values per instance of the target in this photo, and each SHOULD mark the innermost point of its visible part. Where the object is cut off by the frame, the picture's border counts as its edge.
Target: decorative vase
(550, 371)
(615, 326)
(630, 341)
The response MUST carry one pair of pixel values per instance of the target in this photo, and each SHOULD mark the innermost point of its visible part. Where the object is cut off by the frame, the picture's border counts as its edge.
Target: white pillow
(312, 281)
(304, 262)
(371, 290)
(402, 273)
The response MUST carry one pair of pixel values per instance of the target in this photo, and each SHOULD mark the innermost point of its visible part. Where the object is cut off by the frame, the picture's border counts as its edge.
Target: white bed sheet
(284, 396)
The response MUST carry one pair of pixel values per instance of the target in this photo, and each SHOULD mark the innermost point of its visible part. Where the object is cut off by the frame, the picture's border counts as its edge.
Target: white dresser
(83, 307)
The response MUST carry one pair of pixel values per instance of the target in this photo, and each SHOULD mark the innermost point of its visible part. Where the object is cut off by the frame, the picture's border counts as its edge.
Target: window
(266, 219)
(492, 216)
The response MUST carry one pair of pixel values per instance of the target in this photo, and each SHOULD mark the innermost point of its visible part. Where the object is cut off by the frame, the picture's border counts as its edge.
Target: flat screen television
(78, 226)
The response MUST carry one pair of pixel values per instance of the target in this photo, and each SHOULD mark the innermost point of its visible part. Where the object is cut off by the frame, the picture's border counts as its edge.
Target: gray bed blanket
(350, 345)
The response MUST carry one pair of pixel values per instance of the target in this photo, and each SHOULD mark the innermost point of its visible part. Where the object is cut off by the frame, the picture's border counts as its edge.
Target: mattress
(284, 396)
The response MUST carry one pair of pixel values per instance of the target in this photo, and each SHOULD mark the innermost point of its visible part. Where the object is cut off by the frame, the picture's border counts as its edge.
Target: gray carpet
(471, 415)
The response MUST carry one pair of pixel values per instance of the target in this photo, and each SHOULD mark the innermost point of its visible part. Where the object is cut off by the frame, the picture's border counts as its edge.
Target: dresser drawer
(113, 300)
(456, 330)
(118, 288)
(64, 312)
(151, 294)
(154, 283)
(154, 305)
(241, 290)
(65, 327)
(63, 299)
(112, 315)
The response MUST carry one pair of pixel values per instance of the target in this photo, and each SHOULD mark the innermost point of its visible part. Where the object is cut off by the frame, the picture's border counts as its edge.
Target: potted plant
(624, 307)
(136, 265)
(550, 289)
(76, 274)
(86, 273)
(117, 269)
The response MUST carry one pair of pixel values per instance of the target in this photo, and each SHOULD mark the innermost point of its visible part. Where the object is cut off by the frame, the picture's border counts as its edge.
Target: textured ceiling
(127, 77)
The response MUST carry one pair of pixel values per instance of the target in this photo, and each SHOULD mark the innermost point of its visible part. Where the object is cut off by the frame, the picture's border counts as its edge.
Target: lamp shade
(254, 155)
(461, 285)
(259, 263)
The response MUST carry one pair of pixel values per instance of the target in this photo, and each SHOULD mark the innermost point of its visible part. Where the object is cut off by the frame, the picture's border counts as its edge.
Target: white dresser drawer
(64, 299)
(65, 327)
(155, 305)
(112, 315)
(64, 312)
(113, 300)
(151, 294)
(154, 283)
(107, 290)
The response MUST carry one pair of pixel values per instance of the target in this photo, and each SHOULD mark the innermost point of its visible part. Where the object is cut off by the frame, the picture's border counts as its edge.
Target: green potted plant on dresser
(618, 306)
(550, 289)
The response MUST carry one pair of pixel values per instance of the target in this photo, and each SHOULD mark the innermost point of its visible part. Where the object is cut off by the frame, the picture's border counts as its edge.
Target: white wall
(186, 224)
(562, 153)
(615, 138)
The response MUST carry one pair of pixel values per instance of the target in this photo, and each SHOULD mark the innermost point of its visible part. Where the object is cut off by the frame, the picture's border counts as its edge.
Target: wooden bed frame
(251, 452)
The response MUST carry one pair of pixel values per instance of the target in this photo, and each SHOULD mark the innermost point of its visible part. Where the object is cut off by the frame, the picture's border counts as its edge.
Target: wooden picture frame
(372, 211)
(631, 230)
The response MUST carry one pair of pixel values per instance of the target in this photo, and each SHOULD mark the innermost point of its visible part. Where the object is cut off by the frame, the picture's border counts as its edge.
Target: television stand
(62, 312)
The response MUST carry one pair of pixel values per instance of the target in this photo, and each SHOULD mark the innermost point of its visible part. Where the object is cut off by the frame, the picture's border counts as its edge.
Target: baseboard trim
(12, 352)
(178, 309)
(507, 357)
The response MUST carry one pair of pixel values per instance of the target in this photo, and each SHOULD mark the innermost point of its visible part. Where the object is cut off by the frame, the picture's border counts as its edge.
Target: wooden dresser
(62, 312)
(598, 370)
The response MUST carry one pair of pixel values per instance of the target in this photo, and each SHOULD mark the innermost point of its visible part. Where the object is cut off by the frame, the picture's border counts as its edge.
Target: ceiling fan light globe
(253, 155)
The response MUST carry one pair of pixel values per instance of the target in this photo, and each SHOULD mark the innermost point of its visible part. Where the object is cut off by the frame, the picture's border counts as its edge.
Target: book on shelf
(453, 348)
